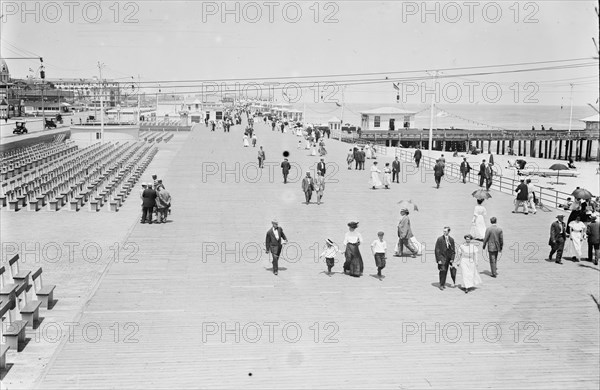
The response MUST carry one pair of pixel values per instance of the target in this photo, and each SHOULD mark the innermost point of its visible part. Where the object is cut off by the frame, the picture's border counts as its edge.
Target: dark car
(49, 124)
(20, 128)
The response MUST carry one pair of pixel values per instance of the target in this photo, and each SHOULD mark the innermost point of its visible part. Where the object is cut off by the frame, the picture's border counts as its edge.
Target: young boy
(329, 253)
(378, 247)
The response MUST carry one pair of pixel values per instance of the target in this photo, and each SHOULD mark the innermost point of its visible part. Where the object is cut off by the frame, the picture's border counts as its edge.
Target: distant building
(387, 118)
(89, 90)
(334, 124)
(591, 122)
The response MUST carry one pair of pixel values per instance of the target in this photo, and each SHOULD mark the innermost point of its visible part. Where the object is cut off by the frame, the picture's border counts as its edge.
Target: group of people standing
(359, 156)
(155, 199)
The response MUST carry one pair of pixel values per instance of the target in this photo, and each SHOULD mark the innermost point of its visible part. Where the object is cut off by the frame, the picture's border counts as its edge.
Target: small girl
(299, 144)
(253, 140)
(329, 253)
(378, 247)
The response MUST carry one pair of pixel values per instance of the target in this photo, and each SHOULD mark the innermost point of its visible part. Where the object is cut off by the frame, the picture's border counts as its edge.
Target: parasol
(408, 204)
(481, 194)
(558, 167)
(582, 193)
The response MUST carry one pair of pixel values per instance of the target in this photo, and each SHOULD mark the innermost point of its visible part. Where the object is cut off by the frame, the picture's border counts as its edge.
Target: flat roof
(593, 118)
(388, 110)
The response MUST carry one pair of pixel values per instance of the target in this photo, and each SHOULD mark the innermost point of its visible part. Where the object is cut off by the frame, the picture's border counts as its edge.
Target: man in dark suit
(481, 173)
(558, 233)
(321, 167)
(274, 242)
(395, 170)
(417, 156)
(522, 197)
(285, 169)
(308, 186)
(363, 156)
(148, 203)
(356, 159)
(445, 251)
(494, 240)
(489, 174)
(593, 239)
(465, 168)
(438, 172)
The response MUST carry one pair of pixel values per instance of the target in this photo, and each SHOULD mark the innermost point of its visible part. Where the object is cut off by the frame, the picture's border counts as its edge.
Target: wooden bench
(45, 294)
(7, 290)
(54, 204)
(14, 331)
(94, 205)
(3, 349)
(4, 307)
(34, 205)
(74, 205)
(29, 309)
(19, 277)
(13, 205)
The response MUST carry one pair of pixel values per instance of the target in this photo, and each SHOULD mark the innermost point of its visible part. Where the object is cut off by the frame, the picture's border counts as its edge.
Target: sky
(160, 41)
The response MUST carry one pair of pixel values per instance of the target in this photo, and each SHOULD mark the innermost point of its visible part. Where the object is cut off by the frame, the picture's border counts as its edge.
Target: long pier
(551, 144)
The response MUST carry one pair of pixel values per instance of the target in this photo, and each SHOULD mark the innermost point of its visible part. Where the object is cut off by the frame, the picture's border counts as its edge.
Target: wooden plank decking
(199, 308)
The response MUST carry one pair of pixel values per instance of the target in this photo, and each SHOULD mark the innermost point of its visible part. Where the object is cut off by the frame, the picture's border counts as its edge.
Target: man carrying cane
(445, 251)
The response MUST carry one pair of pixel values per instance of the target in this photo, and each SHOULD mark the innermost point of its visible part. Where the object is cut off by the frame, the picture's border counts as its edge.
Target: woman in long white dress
(387, 176)
(246, 143)
(467, 261)
(375, 180)
(368, 151)
(478, 223)
(576, 238)
(313, 149)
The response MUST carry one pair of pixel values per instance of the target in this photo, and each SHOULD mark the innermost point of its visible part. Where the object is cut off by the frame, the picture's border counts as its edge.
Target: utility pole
(101, 103)
(342, 124)
(139, 102)
(571, 115)
(431, 115)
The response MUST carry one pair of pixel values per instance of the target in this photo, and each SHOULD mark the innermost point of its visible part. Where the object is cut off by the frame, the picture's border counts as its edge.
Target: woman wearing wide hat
(354, 262)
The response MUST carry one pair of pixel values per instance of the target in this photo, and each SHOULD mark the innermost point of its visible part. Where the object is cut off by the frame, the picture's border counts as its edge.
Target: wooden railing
(548, 197)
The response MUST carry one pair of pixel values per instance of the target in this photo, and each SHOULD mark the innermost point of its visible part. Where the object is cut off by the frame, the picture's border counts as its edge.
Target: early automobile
(20, 128)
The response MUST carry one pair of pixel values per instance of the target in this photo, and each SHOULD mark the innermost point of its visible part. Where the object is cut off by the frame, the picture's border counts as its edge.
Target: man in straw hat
(558, 233)
(405, 234)
(274, 242)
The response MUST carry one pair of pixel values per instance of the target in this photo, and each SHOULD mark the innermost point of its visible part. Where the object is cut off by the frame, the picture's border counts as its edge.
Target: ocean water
(463, 116)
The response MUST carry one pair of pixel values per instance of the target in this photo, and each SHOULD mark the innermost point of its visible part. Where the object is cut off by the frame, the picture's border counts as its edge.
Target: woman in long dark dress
(354, 262)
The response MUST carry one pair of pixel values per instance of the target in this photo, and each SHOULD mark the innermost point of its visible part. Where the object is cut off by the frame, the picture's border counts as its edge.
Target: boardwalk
(193, 303)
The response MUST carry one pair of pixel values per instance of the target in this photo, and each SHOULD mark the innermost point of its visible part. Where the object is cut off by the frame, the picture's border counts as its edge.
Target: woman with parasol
(478, 223)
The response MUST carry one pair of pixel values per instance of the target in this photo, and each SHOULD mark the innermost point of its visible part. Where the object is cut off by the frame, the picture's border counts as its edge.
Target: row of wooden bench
(47, 177)
(106, 184)
(21, 166)
(16, 300)
(151, 136)
(52, 170)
